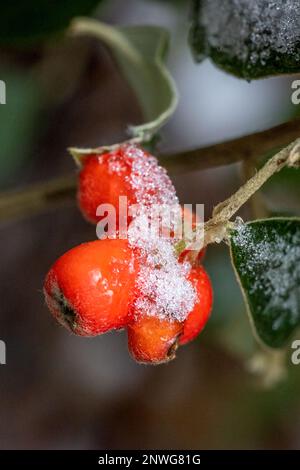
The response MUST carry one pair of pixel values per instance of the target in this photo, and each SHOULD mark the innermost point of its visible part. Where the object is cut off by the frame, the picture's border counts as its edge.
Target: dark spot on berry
(172, 350)
(68, 314)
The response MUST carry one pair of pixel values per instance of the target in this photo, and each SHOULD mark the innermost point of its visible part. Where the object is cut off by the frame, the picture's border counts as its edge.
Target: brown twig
(44, 196)
(37, 198)
(232, 151)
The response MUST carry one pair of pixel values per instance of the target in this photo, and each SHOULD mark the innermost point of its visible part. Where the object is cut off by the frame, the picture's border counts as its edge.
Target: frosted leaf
(248, 38)
(266, 257)
(150, 181)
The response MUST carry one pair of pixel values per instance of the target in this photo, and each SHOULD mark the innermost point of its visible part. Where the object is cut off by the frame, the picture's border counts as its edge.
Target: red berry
(127, 171)
(88, 289)
(198, 317)
(153, 341)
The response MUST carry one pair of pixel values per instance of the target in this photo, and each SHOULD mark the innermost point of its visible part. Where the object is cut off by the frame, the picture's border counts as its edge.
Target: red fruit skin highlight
(98, 185)
(199, 316)
(89, 288)
(153, 341)
(126, 171)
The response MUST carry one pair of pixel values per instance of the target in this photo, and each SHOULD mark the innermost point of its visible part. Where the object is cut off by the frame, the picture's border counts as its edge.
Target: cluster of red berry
(132, 283)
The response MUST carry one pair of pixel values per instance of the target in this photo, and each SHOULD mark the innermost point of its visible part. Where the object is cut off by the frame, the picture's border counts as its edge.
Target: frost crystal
(272, 262)
(167, 294)
(165, 291)
(252, 30)
(149, 180)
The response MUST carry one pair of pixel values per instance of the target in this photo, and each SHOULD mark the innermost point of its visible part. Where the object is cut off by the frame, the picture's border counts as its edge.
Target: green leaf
(140, 52)
(266, 259)
(19, 118)
(31, 20)
(250, 39)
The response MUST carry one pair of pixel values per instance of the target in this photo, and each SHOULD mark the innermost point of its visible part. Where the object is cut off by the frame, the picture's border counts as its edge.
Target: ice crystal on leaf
(266, 256)
(250, 38)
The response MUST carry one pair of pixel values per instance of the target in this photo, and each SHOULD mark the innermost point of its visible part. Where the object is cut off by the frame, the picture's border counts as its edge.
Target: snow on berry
(253, 32)
(162, 284)
(148, 180)
(129, 170)
(126, 171)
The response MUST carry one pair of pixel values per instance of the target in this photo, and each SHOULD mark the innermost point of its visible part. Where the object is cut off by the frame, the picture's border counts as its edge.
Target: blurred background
(60, 391)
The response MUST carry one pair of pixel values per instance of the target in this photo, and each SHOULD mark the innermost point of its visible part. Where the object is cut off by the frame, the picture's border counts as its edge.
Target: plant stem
(215, 229)
(257, 207)
(43, 196)
(37, 198)
(232, 151)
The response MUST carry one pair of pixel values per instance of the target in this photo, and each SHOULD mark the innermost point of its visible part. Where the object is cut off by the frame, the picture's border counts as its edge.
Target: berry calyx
(126, 171)
(195, 257)
(197, 318)
(88, 289)
(153, 341)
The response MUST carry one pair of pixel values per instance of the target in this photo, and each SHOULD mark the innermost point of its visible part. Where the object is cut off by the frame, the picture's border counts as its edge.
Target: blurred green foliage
(229, 322)
(282, 192)
(18, 120)
(25, 21)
